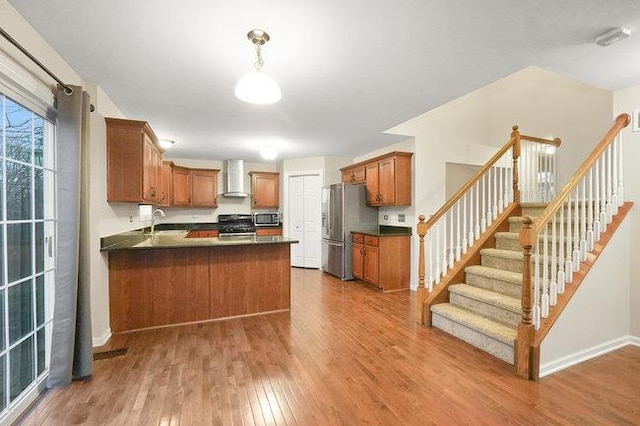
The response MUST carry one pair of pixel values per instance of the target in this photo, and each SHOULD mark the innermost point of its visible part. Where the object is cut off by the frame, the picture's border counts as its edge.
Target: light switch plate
(635, 121)
(145, 212)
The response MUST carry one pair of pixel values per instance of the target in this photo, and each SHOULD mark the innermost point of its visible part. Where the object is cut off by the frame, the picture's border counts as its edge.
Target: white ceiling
(348, 70)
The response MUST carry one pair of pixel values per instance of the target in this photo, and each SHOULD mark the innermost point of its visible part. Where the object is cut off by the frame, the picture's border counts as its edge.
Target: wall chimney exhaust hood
(234, 178)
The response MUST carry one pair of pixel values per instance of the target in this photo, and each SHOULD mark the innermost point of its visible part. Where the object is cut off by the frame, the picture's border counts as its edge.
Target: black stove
(236, 225)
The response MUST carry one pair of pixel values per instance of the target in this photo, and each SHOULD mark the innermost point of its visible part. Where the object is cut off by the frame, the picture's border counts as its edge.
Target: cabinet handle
(153, 192)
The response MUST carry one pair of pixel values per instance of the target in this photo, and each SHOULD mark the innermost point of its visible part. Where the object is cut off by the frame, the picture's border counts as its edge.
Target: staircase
(485, 309)
(501, 259)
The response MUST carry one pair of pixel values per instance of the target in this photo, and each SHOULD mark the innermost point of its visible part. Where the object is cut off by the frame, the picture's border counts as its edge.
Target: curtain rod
(67, 89)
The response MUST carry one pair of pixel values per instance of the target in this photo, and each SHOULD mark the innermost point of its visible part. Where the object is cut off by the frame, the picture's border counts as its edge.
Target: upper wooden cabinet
(387, 178)
(195, 187)
(353, 174)
(133, 161)
(166, 187)
(265, 190)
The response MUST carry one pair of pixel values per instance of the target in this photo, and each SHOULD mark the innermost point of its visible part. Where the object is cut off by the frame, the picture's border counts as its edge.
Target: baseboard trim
(586, 354)
(101, 340)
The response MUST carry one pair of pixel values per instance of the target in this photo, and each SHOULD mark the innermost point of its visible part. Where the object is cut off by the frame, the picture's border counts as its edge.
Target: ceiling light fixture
(269, 153)
(257, 87)
(166, 143)
(612, 36)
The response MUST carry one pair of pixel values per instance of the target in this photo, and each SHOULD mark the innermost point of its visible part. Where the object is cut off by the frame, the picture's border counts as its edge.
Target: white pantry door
(304, 223)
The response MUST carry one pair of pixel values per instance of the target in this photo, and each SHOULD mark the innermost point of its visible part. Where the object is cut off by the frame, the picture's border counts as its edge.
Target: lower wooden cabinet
(382, 260)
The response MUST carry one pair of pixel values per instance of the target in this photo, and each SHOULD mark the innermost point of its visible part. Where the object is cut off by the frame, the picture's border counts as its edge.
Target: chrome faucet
(160, 214)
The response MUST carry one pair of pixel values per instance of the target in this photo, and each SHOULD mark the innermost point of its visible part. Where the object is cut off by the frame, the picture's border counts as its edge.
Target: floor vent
(110, 354)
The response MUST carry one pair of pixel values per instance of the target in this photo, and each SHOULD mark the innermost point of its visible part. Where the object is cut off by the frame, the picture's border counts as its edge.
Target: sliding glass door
(27, 267)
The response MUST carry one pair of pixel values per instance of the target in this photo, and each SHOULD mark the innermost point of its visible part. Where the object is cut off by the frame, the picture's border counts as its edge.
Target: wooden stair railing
(457, 230)
(556, 245)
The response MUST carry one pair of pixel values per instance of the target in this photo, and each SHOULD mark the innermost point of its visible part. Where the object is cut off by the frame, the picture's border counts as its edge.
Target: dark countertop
(176, 238)
(385, 231)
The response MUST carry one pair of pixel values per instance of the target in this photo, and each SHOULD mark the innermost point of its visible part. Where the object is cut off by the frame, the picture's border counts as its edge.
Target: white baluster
(536, 286)
(477, 211)
(437, 259)
(465, 213)
(458, 248)
(544, 308)
(561, 244)
(430, 278)
(597, 226)
(495, 192)
(609, 210)
(568, 267)
(590, 240)
(489, 199)
(553, 284)
(452, 246)
(603, 194)
(472, 216)
(501, 189)
(483, 224)
(576, 232)
(583, 221)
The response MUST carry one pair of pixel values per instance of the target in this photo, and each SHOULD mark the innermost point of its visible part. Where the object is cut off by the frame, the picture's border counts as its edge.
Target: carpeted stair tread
(497, 274)
(504, 254)
(494, 329)
(487, 296)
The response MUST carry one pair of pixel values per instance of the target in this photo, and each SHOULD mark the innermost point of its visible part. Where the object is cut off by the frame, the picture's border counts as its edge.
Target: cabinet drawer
(268, 231)
(370, 241)
(357, 238)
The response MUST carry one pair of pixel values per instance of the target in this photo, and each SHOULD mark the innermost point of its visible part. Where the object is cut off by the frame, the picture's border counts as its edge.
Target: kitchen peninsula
(169, 279)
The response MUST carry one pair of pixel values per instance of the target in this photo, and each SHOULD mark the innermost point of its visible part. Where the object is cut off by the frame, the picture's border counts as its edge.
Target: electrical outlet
(401, 218)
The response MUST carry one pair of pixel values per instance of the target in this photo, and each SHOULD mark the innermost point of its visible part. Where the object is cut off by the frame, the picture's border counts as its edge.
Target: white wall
(542, 103)
(596, 320)
(628, 100)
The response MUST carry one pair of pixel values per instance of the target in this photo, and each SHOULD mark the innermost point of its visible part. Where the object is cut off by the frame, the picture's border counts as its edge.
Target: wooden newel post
(422, 291)
(515, 136)
(524, 341)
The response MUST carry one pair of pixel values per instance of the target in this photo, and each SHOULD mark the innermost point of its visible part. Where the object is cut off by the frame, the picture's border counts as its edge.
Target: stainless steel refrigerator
(344, 209)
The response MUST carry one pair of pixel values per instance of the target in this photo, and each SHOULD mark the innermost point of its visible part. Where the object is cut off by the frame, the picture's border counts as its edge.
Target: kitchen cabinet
(382, 260)
(133, 162)
(195, 187)
(354, 175)
(387, 178)
(165, 186)
(268, 231)
(265, 190)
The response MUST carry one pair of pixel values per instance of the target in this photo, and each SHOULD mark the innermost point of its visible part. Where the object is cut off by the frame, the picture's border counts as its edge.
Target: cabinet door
(181, 182)
(150, 170)
(268, 231)
(265, 189)
(165, 184)
(354, 175)
(357, 261)
(204, 188)
(370, 269)
(373, 193)
(387, 181)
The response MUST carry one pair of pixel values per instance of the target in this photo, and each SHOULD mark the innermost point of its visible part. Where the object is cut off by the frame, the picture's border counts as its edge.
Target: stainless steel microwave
(266, 219)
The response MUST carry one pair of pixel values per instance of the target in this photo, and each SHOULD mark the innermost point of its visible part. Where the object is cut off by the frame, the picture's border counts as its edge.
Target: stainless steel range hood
(234, 178)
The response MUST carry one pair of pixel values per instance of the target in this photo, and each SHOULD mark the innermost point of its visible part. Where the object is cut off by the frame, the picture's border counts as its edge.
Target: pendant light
(257, 87)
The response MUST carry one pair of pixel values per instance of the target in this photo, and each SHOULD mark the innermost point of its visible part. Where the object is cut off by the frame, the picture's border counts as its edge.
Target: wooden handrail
(515, 137)
(621, 122)
(554, 142)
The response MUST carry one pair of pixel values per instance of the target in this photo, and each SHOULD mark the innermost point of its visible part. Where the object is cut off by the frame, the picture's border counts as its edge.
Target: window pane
(3, 381)
(21, 372)
(1, 185)
(38, 140)
(38, 192)
(2, 283)
(39, 247)
(49, 189)
(18, 130)
(19, 248)
(41, 350)
(20, 311)
(40, 300)
(2, 327)
(18, 191)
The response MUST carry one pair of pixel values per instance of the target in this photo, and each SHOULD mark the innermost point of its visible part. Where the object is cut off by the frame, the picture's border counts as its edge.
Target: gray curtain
(71, 352)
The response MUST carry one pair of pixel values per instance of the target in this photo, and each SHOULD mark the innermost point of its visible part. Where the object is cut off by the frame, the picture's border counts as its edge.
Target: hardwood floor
(345, 354)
